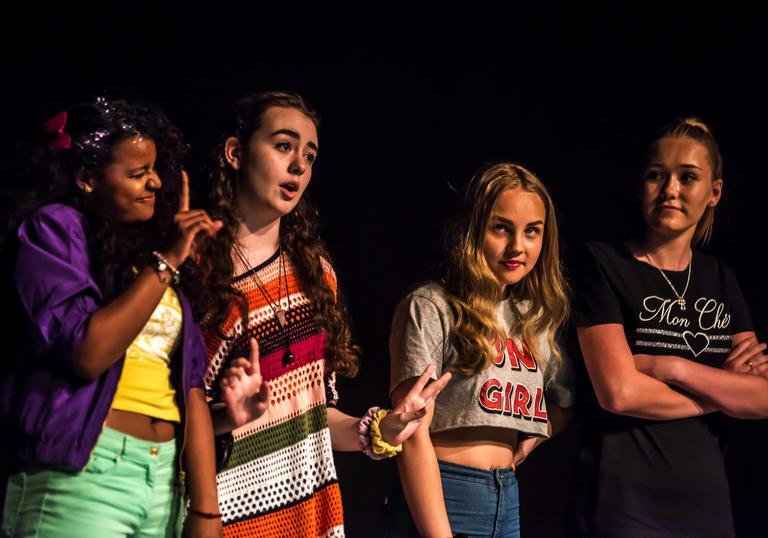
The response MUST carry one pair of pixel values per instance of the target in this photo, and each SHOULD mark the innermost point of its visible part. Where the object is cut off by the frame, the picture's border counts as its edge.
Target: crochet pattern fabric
(280, 479)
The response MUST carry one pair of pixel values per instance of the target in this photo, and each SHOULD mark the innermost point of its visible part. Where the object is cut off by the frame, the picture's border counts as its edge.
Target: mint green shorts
(128, 488)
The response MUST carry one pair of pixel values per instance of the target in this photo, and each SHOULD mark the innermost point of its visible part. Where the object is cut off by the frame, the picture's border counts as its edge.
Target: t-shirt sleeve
(741, 320)
(53, 280)
(417, 339)
(596, 302)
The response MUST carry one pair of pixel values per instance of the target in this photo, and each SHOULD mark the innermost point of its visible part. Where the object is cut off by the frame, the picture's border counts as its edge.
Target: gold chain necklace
(680, 296)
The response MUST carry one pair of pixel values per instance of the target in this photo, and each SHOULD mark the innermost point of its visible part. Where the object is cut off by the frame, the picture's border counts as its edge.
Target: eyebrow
(507, 221)
(293, 134)
(139, 169)
(686, 165)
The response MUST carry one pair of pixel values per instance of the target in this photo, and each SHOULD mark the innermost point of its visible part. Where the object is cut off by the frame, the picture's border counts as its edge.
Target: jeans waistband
(502, 476)
(128, 446)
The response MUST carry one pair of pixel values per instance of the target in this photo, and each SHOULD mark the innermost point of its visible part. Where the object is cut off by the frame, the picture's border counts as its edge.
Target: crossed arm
(670, 387)
(739, 388)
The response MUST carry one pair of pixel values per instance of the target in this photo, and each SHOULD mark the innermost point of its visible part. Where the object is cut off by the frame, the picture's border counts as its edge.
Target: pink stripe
(304, 351)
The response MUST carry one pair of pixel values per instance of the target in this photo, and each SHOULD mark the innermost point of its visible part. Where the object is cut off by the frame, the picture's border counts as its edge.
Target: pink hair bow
(55, 126)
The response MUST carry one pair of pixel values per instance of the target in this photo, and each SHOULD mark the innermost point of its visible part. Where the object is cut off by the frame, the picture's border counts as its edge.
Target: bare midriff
(481, 447)
(141, 426)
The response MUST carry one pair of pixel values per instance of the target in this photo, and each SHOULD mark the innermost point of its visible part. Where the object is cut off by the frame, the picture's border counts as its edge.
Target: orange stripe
(313, 517)
(271, 287)
(255, 301)
(256, 298)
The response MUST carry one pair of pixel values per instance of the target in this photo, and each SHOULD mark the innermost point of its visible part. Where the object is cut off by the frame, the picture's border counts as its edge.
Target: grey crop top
(511, 393)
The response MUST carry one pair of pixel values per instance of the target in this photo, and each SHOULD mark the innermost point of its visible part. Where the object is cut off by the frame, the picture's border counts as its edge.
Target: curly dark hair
(299, 240)
(44, 175)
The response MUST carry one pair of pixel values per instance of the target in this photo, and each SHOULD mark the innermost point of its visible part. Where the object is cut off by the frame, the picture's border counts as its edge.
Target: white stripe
(306, 381)
(668, 345)
(266, 313)
(276, 479)
(664, 332)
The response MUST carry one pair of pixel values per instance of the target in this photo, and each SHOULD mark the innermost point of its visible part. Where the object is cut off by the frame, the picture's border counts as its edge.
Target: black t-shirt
(641, 477)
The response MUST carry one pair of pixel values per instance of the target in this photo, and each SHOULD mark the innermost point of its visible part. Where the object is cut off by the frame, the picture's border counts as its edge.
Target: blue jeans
(478, 502)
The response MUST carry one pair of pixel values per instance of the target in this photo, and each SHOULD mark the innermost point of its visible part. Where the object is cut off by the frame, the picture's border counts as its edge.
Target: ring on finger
(750, 363)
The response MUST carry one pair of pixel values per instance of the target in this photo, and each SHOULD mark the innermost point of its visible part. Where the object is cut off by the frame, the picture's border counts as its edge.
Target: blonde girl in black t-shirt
(667, 342)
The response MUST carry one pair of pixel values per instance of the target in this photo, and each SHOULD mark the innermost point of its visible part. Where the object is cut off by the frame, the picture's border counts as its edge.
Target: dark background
(416, 101)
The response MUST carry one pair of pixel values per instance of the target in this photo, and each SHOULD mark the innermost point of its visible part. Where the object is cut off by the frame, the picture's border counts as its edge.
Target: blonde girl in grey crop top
(512, 392)
(492, 323)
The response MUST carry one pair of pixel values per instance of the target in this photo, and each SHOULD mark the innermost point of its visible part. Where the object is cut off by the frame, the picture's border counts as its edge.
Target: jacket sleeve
(198, 356)
(53, 280)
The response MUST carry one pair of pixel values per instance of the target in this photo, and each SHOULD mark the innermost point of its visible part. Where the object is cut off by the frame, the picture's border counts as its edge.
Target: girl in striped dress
(271, 288)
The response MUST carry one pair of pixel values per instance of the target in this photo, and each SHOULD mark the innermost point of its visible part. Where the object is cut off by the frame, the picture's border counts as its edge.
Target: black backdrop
(414, 101)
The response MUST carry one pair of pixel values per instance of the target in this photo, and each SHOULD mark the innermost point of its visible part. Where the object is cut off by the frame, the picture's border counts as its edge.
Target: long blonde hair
(473, 290)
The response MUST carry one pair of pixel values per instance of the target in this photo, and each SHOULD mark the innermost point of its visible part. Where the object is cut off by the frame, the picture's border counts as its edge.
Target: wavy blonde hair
(473, 290)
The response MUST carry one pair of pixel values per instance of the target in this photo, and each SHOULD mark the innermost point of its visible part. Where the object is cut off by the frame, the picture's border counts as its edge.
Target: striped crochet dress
(280, 479)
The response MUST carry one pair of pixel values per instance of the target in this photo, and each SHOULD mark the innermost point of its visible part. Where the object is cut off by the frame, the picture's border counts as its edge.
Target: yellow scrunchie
(378, 444)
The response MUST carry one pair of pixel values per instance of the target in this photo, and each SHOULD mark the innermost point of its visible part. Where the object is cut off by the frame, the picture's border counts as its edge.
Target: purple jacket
(51, 416)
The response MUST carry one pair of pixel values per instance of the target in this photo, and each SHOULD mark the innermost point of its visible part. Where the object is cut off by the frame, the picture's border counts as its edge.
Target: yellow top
(145, 384)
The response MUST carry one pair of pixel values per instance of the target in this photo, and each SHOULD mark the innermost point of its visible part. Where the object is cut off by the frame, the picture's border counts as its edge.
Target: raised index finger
(184, 198)
(254, 357)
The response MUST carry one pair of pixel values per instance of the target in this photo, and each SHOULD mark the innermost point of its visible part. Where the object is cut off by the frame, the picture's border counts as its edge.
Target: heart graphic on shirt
(696, 342)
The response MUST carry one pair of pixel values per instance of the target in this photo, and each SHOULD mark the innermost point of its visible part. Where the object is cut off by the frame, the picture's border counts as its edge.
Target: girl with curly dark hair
(102, 407)
(268, 276)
